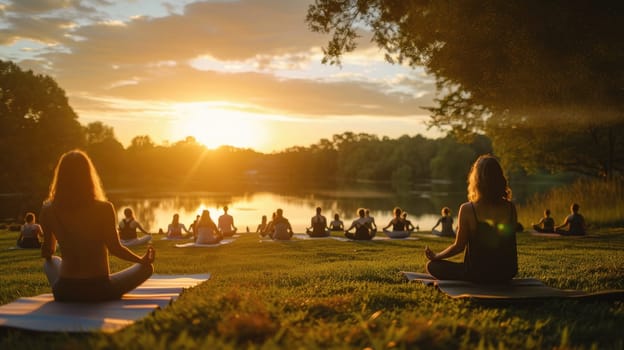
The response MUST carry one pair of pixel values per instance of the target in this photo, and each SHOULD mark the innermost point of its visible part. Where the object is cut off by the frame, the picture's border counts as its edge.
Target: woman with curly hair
(486, 232)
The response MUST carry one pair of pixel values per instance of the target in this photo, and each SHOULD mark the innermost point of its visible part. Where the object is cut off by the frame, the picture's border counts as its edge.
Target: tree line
(37, 124)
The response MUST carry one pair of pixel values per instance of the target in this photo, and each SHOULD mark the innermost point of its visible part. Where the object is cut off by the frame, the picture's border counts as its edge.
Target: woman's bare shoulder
(464, 206)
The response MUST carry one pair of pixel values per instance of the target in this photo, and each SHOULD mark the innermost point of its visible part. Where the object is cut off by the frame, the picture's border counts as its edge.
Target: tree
(506, 68)
(36, 126)
(106, 152)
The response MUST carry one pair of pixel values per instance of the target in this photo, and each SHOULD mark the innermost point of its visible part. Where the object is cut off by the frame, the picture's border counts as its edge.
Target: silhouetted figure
(399, 229)
(207, 231)
(226, 223)
(546, 224)
(371, 221)
(128, 230)
(31, 233)
(262, 226)
(270, 229)
(281, 227)
(193, 227)
(486, 230)
(318, 225)
(446, 220)
(408, 224)
(336, 224)
(575, 223)
(175, 228)
(363, 230)
(77, 214)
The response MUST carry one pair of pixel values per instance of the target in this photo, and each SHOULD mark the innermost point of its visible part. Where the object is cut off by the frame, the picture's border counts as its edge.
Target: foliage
(36, 126)
(336, 295)
(549, 72)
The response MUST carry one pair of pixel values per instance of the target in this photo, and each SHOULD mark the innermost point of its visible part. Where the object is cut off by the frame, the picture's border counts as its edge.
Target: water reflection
(155, 210)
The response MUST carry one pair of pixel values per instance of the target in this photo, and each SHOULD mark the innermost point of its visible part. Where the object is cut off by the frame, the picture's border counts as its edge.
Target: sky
(244, 73)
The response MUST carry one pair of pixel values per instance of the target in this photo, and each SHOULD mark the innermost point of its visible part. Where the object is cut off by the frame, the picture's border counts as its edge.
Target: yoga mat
(397, 234)
(176, 238)
(305, 237)
(198, 245)
(382, 238)
(556, 235)
(134, 242)
(42, 313)
(518, 289)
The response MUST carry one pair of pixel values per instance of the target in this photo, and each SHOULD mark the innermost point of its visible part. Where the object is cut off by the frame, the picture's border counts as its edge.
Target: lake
(155, 210)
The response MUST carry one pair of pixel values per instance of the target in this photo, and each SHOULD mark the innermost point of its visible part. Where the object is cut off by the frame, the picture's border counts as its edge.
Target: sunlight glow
(215, 125)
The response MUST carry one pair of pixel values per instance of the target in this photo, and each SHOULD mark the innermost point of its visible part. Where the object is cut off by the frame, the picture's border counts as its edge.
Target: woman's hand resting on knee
(429, 253)
(149, 256)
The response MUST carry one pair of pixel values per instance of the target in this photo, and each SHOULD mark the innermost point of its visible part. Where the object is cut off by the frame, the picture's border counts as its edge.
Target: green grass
(345, 295)
(601, 203)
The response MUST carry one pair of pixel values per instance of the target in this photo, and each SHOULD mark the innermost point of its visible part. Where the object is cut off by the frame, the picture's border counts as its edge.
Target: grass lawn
(345, 295)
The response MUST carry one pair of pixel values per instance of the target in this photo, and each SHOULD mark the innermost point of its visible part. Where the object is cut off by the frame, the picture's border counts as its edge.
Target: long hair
(487, 181)
(205, 219)
(75, 182)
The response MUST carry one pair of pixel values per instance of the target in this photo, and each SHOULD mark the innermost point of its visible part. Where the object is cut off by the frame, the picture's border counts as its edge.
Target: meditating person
(226, 223)
(174, 230)
(128, 230)
(546, 224)
(575, 223)
(398, 225)
(371, 221)
(31, 233)
(486, 230)
(336, 225)
(408, 224)
(270, 229)
(318, 225)
(78, 216)
(193, 227)
(446, 220)
(281, 227)
(362, 226)
(207, 231)
(262, 226)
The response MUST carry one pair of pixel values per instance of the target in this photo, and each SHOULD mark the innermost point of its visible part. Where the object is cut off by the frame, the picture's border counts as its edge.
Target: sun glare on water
(218, 126)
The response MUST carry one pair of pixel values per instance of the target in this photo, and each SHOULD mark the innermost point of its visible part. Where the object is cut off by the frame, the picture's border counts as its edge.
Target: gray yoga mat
(518, 289)
(42, 313)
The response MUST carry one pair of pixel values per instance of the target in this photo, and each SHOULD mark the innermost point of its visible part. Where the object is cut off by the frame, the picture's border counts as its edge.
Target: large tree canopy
(36, 126)
(513, 69)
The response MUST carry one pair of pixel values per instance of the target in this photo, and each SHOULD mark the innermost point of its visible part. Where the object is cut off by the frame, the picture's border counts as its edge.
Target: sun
(215, 126)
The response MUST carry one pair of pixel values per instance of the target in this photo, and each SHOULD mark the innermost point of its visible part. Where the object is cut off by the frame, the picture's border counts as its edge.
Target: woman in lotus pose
(31, 233)
(486, 232)
(337, 224)
(546, 224)
(207, 231)
(174, 230)
(128, 227)
(446, 220)
(362, 226)
(78, 216)
(398, 224)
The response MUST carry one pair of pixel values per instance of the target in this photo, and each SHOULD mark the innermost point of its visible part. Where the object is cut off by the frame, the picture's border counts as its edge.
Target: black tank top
(127, 231)
(398, 225)
(491, 254)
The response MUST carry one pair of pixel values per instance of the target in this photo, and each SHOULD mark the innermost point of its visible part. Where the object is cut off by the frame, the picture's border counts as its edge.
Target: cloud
(271, 58)
(31, 7)
(302, 97)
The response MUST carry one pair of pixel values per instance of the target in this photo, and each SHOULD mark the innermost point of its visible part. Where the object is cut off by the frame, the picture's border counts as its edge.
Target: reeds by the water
(601, 203)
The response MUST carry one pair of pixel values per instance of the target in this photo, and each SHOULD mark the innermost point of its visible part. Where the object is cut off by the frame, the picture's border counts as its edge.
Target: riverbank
(335, 295)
